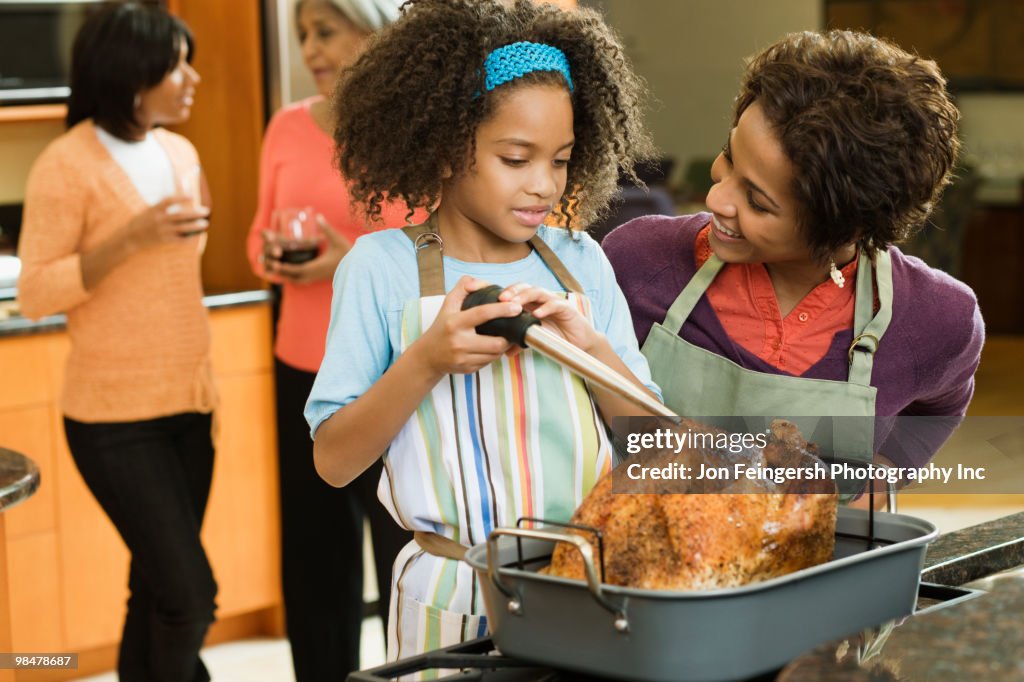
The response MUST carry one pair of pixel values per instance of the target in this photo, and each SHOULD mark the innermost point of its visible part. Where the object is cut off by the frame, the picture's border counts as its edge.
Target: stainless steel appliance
(35, 47)
(286, 78)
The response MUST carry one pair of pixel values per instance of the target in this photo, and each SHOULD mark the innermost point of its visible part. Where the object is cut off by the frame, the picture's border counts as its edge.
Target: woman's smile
(724, 233)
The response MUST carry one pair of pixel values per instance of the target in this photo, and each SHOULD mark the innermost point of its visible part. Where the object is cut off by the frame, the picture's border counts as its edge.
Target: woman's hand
(169, 221)
(451, 344)
(555, 312)
(320, 268)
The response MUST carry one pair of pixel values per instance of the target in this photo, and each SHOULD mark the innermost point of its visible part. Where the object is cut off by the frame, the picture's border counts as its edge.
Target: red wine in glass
(299, 252)
(298, 234)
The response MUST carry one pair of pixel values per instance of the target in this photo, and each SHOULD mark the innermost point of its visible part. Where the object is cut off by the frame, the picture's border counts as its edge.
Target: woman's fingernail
(515, 308)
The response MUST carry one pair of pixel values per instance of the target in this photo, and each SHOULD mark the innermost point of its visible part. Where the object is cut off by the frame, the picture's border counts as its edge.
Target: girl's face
(518, 174)
(754, 211)
(330, 42)
(169, 101)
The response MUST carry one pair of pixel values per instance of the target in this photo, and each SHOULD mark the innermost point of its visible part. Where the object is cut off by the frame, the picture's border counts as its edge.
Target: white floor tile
(268, 660)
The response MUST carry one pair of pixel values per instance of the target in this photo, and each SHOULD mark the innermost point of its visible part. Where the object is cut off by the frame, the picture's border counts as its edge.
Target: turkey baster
(525, 330)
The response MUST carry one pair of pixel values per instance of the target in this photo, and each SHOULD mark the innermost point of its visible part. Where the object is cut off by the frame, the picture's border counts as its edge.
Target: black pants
(152, 478)
(322, 544)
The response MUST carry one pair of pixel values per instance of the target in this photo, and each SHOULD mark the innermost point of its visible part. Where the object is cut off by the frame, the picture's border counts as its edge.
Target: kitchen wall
(285, 66)
(692, 54)
(993, 136)
(20, 143)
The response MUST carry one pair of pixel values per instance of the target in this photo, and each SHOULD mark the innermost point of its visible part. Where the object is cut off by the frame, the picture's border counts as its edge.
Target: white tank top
(146, 163)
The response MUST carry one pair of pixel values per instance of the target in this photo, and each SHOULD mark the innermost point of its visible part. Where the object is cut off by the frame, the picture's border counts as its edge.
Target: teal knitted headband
(518, 59)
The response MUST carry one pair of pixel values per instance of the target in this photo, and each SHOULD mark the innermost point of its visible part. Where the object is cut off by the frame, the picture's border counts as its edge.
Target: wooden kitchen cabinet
(5, 613)
(66, 565)
(993, 266)
(226, 128)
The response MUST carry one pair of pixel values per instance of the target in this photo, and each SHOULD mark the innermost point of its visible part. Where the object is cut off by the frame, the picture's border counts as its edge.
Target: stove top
(473, 660)
(478, 660)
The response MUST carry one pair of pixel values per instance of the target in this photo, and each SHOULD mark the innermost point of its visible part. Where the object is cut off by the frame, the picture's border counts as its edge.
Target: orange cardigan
(140, 340)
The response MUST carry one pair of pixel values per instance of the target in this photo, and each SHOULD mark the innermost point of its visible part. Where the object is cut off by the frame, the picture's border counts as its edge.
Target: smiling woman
(109, 238)
(170, 101)
(790, 297)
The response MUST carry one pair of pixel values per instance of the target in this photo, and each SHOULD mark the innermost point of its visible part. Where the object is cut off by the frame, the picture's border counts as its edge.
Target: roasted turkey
(708, 540)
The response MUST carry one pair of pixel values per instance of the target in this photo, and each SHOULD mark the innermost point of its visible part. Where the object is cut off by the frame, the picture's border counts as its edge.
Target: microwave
(35, 47)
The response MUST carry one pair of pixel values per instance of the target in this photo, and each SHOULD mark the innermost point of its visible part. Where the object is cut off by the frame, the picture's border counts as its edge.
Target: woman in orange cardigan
(110, 239)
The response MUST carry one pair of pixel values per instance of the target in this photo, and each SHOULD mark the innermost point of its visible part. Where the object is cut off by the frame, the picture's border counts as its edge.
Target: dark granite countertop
(971, 553)
(975, 639)
(19, 478)
(18, 325)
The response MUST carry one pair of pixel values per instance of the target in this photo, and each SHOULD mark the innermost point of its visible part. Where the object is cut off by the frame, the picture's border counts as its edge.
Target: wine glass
(190, 184)
(298, 234)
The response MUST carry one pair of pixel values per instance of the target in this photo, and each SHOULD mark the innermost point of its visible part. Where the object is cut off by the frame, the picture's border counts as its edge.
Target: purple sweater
(924, 365)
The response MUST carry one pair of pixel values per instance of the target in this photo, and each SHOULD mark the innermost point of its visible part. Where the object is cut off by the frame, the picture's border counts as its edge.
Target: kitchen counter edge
(19, 326)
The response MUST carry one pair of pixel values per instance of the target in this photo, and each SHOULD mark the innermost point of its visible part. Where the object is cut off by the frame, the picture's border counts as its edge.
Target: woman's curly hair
(407, 112)
(869, 128)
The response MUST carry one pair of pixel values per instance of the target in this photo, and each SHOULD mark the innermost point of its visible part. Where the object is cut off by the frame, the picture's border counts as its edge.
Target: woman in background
(321, 527)
(112, 237)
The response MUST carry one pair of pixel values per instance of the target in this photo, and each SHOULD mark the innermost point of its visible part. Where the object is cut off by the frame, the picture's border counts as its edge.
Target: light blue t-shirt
(380, 275)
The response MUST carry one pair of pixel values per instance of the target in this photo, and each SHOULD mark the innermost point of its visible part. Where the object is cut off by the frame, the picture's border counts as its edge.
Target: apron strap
(868, 331)
(691, 293)
(429, 251)
(439, 545)
(555, 265)
(428, 245)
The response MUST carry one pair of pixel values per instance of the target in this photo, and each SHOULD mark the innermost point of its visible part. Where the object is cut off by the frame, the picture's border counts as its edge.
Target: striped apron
(521, 437)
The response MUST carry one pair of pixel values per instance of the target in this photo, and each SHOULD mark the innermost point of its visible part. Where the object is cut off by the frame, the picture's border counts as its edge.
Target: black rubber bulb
(511, 328)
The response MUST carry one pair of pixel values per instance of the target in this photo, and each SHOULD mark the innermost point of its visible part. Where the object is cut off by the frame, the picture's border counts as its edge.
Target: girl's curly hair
(407, 112)
(869, 128)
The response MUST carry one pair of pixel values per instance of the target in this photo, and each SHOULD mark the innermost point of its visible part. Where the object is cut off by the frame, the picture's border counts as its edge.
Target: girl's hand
(451, 344)
(554, 312)
(169, 221)
(320, 268)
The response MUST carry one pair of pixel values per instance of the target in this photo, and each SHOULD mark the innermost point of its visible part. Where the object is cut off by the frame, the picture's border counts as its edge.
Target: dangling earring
(138, 100)
(836, 275)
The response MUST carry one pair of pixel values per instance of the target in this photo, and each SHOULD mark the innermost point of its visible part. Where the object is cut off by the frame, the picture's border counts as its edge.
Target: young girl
(498, 117)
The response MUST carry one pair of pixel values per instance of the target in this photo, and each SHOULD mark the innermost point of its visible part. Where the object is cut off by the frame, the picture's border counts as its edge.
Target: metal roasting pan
(665, 636)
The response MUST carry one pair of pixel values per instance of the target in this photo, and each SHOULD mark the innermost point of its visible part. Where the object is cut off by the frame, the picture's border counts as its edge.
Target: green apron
(698, 383)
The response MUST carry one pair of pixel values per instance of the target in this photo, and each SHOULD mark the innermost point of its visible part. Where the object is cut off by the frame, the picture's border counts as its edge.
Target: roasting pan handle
(586, 550)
